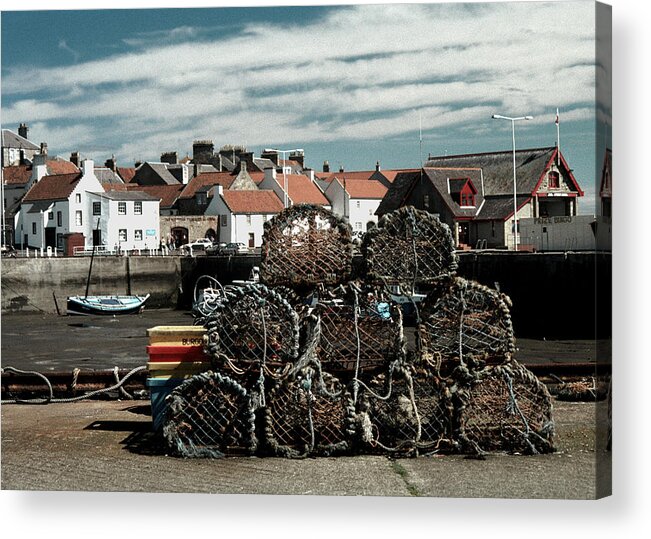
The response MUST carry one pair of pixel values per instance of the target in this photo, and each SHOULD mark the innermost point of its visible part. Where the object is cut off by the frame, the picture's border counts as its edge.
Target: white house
(242, 214)
(124, 220)
(54, 206)
(356, 200)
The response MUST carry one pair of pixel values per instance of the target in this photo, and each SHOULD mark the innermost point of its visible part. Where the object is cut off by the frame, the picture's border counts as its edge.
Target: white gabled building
(128, 220)
(356, 200)
(242, 214)
(54, 206)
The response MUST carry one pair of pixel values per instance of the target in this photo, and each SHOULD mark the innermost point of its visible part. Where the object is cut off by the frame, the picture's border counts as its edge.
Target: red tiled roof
(18, 175)
(263, 201)
(365, 189)
(257, 177)
(301, 190)
(126, 173)
(225, 179)
(57, 187)
(61, 166)
(353, 175)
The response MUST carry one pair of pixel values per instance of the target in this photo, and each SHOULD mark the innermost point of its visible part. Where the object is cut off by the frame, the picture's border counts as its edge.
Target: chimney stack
(111, 163)
(272, 155)
(170, 158)
(202, 151)
(299, 157)
(44, 148)
(22, 130)
(326, 166)
(377, 166)
(341, 169)
(137, 164)
(74, 158)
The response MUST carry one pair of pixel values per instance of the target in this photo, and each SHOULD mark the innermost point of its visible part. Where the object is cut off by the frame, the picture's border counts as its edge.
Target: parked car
(216, 248)
(196, 245)
(234, 249)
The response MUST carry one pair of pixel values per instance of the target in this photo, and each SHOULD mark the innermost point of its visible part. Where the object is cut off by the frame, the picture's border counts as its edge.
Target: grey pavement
(108, 446)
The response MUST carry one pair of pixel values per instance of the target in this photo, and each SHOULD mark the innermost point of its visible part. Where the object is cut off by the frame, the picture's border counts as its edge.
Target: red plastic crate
(176, 353)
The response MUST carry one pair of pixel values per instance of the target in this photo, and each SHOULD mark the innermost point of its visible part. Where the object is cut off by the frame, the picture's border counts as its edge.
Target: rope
(359, 344)
(264, 357)
(51, 399)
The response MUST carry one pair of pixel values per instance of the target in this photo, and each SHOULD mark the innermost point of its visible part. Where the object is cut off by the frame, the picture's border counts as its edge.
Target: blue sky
(350, 84)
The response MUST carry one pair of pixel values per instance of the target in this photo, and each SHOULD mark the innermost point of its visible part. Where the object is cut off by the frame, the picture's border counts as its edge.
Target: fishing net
(504, 408)
(306, 245)
(463, 320)
(406, 409)
(361, 335)
(253, 329)
(210, 415)
(308, 415)
(585, 390)
(407, 248)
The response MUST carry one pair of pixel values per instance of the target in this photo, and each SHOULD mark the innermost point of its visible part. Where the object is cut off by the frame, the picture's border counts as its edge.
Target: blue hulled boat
(106, 304)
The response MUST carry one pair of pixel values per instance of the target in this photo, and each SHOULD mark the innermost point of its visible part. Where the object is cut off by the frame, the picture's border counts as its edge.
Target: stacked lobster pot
(460, 389)
(311, 361)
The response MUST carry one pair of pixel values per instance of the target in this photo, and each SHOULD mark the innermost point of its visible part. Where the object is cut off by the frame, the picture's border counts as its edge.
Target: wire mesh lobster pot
(210, 415)
(464, 320)
(373, 336)
(505, 408)
(407, 409)
(253, 328)
(306, 245)
(409, 247)
(308, 415)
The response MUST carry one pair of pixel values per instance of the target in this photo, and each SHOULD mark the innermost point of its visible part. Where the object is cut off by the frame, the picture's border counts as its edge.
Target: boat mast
(90, 269)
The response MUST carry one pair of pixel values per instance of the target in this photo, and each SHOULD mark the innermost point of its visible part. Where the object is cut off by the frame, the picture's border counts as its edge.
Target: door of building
(251, 240)
(50, 237)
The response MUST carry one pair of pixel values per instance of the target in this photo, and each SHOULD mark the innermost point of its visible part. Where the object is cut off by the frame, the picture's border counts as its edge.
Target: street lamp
(285, 201)
(515, 191)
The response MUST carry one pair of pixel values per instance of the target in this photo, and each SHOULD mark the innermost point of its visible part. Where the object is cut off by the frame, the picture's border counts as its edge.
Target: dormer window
(202, 199)
(462, 191)
(467, 199)
(554, 182)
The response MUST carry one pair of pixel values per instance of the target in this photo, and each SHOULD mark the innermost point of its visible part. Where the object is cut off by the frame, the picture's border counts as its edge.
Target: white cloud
(364, 72)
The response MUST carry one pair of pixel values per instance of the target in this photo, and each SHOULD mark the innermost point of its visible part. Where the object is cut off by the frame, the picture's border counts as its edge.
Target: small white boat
(106, 304)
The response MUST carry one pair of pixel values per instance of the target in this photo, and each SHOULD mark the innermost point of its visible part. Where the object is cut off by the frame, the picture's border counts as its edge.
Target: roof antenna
(420, 137)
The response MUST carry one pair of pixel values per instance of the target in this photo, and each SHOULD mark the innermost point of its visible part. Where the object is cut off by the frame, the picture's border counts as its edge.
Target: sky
(349, 84)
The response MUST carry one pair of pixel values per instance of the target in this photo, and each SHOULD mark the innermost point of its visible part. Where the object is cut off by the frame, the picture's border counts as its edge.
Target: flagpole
(558, 137)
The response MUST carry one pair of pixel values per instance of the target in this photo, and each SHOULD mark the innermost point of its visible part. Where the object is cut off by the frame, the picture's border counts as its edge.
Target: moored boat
(106, 304)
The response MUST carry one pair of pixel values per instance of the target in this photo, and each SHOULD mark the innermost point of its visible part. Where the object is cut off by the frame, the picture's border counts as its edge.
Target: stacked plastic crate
(175, 354)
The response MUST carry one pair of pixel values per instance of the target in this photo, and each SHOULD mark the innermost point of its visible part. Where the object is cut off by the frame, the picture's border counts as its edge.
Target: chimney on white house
(88, 167)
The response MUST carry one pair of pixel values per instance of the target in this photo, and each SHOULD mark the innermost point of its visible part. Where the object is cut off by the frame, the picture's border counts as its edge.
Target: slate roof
(498, 168)
(252, 202)
(398, 191)
(14, 140)
(390, 175)
(18, 175)
(57, 187)
(499, 208)
(159, 169)
(107, 176)
(370, 189)
(458, 178)
(126, 195)
(167, 194)
(605, 187)
(352, 175)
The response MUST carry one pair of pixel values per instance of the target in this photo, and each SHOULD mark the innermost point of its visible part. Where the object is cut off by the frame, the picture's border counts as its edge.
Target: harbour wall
(553, 294)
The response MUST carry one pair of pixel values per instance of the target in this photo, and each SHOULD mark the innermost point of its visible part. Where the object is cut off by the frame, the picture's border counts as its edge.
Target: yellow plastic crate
(176, 335)
(182, 369)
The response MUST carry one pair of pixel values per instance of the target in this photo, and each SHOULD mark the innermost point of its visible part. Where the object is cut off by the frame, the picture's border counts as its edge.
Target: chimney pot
(326, 166)
(22, 130)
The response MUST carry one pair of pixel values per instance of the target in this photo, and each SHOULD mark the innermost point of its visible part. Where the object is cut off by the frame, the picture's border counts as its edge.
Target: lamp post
(515, 190)
(285, 201)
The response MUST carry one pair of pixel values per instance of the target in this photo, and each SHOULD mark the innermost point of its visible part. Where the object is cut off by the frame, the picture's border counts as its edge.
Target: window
(359, 204)
(137, 235)
(79, 219)
(78, 198)
(224, 219)
(122, 208)
(248, 220)
(358, 226)
(122, 234)
(202, 199)
(553, 180)
(467, 199)
(137, 207)
(426, 202)
(33, 228)
(59, 219)
(50, 216)
(97, 208)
